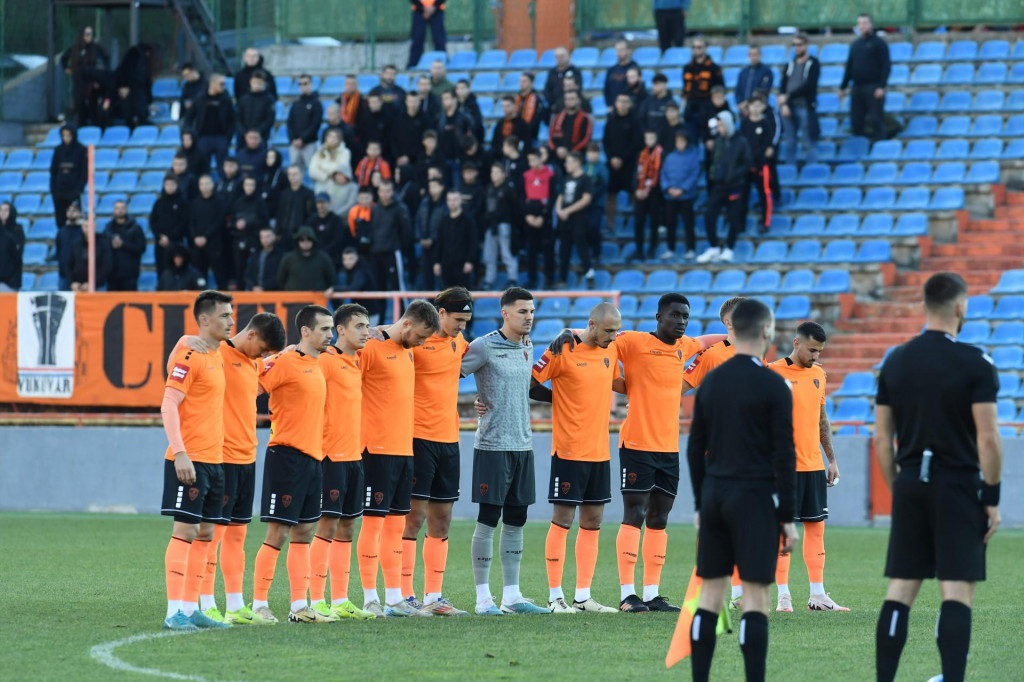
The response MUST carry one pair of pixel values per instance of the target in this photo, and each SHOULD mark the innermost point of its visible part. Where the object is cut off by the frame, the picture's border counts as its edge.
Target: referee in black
(938, 398)
(743, 470)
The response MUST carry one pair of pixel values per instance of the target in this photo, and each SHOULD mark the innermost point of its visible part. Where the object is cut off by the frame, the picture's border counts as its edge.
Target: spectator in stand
(374, 125)
(252, 62)
(709, 128)
(647, 195)
(188, 183)
(195, 164)
(430, 157)
(430, 104)
(274, 179)
(670, 20)
(252, 157)
(331, 233)
(331, 172)
(798, 101)
(208, 217)
(652, 111)
(296, 204)
(867, 68)
(373, 168)
(261, 272)
(392, 96)
(439, 83)
(69, 169)
(359, 218)
(469, 105)
(426, 13)
(127, 244)
(514, 163)
(304, 118)
(429, 215)
(615, 80)
(501, 225)
(727, 189)
(384, 234)
(192, 86)
(212, 117)
(529, 108)
(762, 131)
(571, 129)
(134, 81)
(351, 101)
(355, 274)
(12, 246)
(699, 76)
(623, 137)
(598, 174)
(539, 190)
(333, 120)
(456, 250)
(80, 260)
(670, 125)
(753, 77)
(88, 64)
(554, 88)
(454, 128)
(680, 173)
(249, 215)
(407, 131)
(572, 207)
(168, 221)
(510, 124)
(67, 239)
(307, 267)
(179, 275)
(256, 109)
(635, 86)
(230, 184)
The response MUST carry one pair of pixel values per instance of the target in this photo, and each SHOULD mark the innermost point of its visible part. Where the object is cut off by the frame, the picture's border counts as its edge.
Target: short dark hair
(729, 306)
(270, 329)
(429, 133)
(389, 183)
(463, 81)
(498, 164)
(533, 151)
(668, 299)
(188, 66)
(513, 294)
(389, 66)
(508, 98)
(454, 300)
(660, 78)
(528, 74)
(350, 251)
(671, 105)
(424, 312)
(512, 140)
(748, 317)
(575, 156)
(365, 190)
(180, 155)
(259, 73)
(207, 301)
(344, 313)
(306, 317)
(306, 76)
(812, 330)
(942, 289)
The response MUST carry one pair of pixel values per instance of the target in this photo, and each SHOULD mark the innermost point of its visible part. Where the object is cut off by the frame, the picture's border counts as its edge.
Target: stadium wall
(119, 469)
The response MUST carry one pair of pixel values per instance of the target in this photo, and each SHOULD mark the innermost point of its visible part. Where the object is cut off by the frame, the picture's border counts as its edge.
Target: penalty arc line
(104, 655)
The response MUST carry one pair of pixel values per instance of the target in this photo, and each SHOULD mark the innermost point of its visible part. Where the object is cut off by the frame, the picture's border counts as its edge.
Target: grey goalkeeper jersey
(503, 370)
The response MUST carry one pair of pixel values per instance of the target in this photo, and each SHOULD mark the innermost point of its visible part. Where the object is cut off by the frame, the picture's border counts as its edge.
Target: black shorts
(504, 478)
(435, 473)
(575, 482)
(201, 501)
(239, 492)
(644, 471)
(388, 484)
(811, 496)
(937, 527)
(343, 489)
(738, 527)
(292, 486)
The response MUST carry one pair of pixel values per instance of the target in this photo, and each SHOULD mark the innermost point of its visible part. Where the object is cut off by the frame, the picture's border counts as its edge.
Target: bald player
(388, 413)
(811, 428)
(435, 447)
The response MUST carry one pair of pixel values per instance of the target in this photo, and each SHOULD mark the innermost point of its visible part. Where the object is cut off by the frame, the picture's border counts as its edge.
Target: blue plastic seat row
(888, 173)
(986, 125)
(878, 199)
(979, 332)
(991, 73)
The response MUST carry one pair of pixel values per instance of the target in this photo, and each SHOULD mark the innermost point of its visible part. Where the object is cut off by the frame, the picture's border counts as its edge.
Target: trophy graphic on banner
(47, 312)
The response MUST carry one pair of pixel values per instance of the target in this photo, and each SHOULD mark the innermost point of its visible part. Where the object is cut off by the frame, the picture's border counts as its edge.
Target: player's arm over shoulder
(475, 357)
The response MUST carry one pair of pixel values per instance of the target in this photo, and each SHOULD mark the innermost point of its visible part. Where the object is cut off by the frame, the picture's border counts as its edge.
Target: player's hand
(696, 520)
(565, 337)
(832, 475)
(376, 334)
(994, 519)
(197, 344)
(184, 468)
(480, 408)
(792, 537)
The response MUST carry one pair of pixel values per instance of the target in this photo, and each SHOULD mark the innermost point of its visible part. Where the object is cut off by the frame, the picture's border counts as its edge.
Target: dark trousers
(735, 206)
(766, 181)
(419, 34)
(595, 218)
(574, 232)
(671, 25)
(123, 282)
(644, 209)
(674, 210)
(67, 237)
(241, 250)
(385, 274)
(134, 109)
(864, 104)
(211, 258)
(216, 145)
(539, 243)
(60, 209)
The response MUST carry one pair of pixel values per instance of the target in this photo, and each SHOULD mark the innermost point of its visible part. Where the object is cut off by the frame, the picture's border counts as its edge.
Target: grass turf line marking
(104, 655)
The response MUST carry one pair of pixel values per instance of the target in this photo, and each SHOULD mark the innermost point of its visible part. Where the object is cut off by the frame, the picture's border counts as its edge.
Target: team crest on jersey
(193, 493)
(817, 384)
(631, 477)
(335, 494)
(526, 356)
(565, 487)
(226, 500)
(179, 372)
(454, 347)
(286, 500)
(483, 488)
(410, 357)
(378, 497)
(607, 363)
(679, 354)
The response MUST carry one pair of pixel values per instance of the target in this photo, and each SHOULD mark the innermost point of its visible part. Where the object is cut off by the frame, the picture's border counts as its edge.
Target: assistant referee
(938, 398)
(743, 470)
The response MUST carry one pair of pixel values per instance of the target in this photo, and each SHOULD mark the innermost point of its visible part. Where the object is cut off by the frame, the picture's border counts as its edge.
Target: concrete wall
(121, 469)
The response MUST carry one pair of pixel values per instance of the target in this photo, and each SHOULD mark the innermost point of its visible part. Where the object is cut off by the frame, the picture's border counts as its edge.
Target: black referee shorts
(342, 489)
(435, 475)
(203, 501)
(292, 486)
(738, 528)
(239, 492)
(644, 472)
(575, 482)
(811, 496)
(937, 527)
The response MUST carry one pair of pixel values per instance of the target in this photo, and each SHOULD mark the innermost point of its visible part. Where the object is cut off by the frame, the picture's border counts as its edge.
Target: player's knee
(185, 531)
(489, 515)
(657, 519)
(276, 535)
(514, 515)
(563, 514)
(303, 533)
(346, 530)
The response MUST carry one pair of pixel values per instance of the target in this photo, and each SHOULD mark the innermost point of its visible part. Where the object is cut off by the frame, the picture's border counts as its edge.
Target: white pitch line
(104, 655)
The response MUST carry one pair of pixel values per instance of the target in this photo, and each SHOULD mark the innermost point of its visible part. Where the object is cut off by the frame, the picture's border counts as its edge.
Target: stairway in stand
(985, 247)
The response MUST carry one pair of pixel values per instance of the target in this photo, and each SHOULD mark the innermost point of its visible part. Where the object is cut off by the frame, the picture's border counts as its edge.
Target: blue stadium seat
(522, 60)
(88, 135)
(899, 75)
(1007, 334)
(834, 53)
(771, 251)
(27, 204)
(133, 159)
(852, 410)
(42, 160)
(987, 149)
(975, 332)
(956, 100)
(947, 199)
(990, 125)
(773, 55)
(493, 60)
(170, 136)
(875, 251)
(879, 199)
(828, 103)
(853, 149)
(925, 74)
(697, 305)
(52, 138)
(607, 58)
(845, 199)
(839, 251)
(43, 229)
(857, 385)
(919, 150)
(1017, 72)
(48, 281)
(1009, 384)
(763, 280)
(989, 100)
(951, 171)
(462, 61)
(955, 126)
(366, 82)
(814, 174)
(149, 255)
(10, 182)
(1014, 126)
(19, 159)
(160, 158)
(662, 281)
(585, 57)
(842, 225)
(1005, 410)
(39, 181)
(786, 173)
(28, 281)
(813, 199)
(333, 86)
(848, 174)
(106, 202)
(980, 307)
(487, 81)
(1008, 308)
(983, 172)
(695, 281)
(913, 199)
(150, 181)
(730, 77)
(487, 308)
(545, 331)
(141, 204)
(1008, 357)
(647, 56)
(629, 281)
(804, 251)
(735, 55)
(831, 76)
(34, 254)
(582, 306)
(729, 282)
(886, 150)
(929, 51)
(678, 56)
(1014, 150)
(794, 308)
(114, 136)
(829, 128)
(510, 83)
(143, 136)
(992, 50)
(556, 306)
(166, 88)
(877, 224)
(911, 224)
(921, 126)
(805, 225)
(106, 159)
(797, 282)
(427, 59)
(953, 149)
(959, 74)
(649, 307)
(833, 282)
(895, 102)
(1010, 282)
(881, 174)
(148, 282)
(923, 101)
(991, 74)
(715, 327)
(962, 51)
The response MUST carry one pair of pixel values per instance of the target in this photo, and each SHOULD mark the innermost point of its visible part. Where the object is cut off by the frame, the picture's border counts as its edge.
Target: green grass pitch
(74, 581)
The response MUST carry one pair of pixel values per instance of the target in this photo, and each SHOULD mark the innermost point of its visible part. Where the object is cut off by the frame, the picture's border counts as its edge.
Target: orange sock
(408, 566)
(736, 582)
(263, 571)
(340, 559)
(175, 567)
(655, 545)
(554, 553)
(196, 570)
(435, 558)
(627, 547)
(232, 558)
(782, 566)
(586, 557)
(814, 551)
(298, 570)
(210, 578)
(318, 553)
(391, 551)
(368, 550)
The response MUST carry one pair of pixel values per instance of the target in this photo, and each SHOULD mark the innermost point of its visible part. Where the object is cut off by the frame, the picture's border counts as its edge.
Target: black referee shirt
(743, 421)
(930, 384)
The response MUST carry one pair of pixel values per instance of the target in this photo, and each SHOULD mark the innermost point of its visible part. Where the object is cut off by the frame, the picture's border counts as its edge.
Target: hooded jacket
(185, 278)
(243, 75)
(80, 260)
(211, 115)
(807, 93)
(681, 170)
(256, 112)
(125, 260)
(312, 271)
(12, 245)
(170, 217)
(135, 71)
(730, 159)
(304, 118)
(69, 167)
(208, 218)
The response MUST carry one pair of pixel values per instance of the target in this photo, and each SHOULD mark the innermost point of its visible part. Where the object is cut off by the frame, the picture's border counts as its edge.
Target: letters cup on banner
(46, 345)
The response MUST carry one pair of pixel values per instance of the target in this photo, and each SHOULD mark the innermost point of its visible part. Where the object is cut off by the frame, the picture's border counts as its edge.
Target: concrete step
(887, 309)
(882, 325)
(1010, 246)
(971, 264)
(981, 278)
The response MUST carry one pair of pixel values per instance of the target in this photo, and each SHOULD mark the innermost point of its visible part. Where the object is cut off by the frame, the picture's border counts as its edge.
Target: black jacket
(472, 109)
(185, 278)
(388, 228)
(294, 209)
(501, 205)
(261, 271)
(615, 81)
(730, 163)
(12, 245)
(80, 260)
(331, 232)
(503, 128)
(228, 189)
(652, 111)
(359, 278)
(208, 218)
(808, 90)
(125, 260)
(170, 216)
(304, 118)
(252, 209)
(407, 135)
(256, 112)
(243, 76)
(299, 272)
(211, 115)
(190, 92)
(762, 135)
(252, 162)
(623, 137)
(373, 126)
(429, 216)
(69, 168)
(456, 244)
(554, 88)
(134, 71)
(868, 63)
(453, 133)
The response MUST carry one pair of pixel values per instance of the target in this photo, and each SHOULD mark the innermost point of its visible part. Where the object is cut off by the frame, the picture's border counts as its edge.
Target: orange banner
(117, 342)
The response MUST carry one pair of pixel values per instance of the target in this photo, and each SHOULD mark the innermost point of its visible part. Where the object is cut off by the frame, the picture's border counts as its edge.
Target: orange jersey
(808, 396)
(298, 394)
(200, 376)
(241, 374)
(581, 387)
(654, 386)
(389, 382)
(438, 362)
(707, 360)
(344, 404)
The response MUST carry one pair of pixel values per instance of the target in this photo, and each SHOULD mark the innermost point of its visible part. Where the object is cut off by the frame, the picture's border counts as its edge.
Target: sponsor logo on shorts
(286, 500)
(193, 493)
(484, 488)
(631, 477)
(335, 494)
(378, 497)
(225, 502)
(565, 487)
(179, 372)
